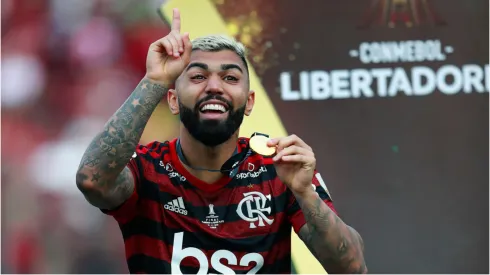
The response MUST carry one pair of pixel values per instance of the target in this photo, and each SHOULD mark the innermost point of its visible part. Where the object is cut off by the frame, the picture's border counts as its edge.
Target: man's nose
(214, 85)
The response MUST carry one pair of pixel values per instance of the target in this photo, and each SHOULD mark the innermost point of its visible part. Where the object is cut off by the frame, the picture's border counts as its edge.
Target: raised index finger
(176, 20)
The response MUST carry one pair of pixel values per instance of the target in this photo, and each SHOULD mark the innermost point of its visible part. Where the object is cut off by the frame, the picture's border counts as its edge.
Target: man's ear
(173, 101)
(250, 103)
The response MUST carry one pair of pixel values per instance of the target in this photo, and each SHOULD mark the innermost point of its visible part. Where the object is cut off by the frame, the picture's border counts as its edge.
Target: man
(205, 203)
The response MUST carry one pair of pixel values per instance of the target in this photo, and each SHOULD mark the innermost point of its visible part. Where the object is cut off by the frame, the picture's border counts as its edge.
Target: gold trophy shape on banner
(393, 13)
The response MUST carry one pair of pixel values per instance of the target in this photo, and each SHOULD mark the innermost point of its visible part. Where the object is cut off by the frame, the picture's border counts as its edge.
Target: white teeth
(213, 107)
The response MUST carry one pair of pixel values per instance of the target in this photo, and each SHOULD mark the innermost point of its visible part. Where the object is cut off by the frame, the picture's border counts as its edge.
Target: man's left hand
(294, 162)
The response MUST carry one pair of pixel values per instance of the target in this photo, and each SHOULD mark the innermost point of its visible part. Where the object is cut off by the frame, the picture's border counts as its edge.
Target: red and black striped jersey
(176, 223)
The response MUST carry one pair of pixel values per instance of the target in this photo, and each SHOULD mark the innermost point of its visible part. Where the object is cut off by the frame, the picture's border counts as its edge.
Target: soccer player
(205, 202)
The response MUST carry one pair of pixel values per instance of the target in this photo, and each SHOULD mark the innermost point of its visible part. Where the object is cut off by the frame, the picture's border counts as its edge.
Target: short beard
(209, 132)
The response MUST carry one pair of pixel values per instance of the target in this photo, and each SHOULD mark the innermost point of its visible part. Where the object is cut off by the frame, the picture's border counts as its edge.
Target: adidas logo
(176, 206)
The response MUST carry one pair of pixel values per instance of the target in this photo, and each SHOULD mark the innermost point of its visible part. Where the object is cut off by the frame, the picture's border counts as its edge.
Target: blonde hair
(218, 42)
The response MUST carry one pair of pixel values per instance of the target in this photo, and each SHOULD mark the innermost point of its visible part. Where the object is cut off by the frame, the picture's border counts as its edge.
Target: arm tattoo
(122, 189)
(110, 151)
(337, 246)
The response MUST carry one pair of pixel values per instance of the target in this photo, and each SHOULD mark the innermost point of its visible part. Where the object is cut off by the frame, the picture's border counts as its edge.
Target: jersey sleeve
(295, 215)
(128, 209)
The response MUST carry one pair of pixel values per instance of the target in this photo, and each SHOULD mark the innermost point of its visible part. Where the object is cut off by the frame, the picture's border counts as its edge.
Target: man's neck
(199, 155)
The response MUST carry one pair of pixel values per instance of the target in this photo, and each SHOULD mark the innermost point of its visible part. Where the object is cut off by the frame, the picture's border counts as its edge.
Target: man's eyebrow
(204, 66)
(197, 64)
(225, 67)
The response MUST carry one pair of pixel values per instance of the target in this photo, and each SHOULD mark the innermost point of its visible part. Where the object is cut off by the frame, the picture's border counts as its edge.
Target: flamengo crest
(252, 209)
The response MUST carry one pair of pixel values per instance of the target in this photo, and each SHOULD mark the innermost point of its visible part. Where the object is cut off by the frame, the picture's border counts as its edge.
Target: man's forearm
(111, 149)
(337, 246)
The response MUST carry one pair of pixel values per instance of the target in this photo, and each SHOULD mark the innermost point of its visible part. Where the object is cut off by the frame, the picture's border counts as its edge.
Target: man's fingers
(285, 142)
(176, 20)
(167, 45)
(178, 39)
(297, 159)
(175, 45)
(186, 55)
(273, 142)
(162, 46)
(292, 150)
(294, 139)
(187, 41)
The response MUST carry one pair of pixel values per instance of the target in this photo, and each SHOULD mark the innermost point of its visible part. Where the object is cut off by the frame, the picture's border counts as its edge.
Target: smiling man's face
(213, 96)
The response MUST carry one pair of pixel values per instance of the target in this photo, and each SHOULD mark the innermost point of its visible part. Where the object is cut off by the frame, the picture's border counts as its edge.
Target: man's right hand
(168, 57)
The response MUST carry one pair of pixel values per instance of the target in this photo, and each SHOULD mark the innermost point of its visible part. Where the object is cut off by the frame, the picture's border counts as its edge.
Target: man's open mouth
(214, 107)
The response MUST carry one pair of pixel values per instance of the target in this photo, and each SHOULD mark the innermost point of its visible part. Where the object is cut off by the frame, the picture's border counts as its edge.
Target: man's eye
(198, 77)
(230, 78)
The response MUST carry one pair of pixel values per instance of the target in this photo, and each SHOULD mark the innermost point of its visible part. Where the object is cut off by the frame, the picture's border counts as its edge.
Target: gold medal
(258, 143)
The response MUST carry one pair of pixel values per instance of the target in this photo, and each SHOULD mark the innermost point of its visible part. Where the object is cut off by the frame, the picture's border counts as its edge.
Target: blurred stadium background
(409, 172)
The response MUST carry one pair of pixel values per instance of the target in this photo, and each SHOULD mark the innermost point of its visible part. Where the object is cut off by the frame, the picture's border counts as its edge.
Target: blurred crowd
(66, 66)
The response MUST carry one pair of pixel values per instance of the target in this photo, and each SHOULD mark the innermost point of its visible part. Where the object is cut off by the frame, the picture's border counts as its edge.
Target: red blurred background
(67, 65)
